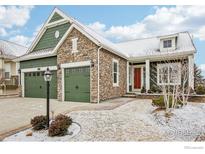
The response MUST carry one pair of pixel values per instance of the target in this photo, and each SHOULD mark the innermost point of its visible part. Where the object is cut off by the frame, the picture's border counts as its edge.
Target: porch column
(1, 68)
(191, 71)
(147, 69)
(128, 76)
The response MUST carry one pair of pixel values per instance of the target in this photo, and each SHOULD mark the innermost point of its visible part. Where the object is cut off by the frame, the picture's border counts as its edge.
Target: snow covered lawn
(186, 123)
(134, 121)
(42, 135)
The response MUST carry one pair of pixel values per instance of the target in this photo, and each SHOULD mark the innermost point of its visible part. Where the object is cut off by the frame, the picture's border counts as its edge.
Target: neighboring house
(8, 67)
(88, 68)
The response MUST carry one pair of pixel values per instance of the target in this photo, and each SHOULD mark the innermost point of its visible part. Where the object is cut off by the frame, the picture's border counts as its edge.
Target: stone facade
(87, 50)
(107, 90)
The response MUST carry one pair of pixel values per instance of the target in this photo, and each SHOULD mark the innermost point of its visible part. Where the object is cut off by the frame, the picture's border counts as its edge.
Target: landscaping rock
(29, 133)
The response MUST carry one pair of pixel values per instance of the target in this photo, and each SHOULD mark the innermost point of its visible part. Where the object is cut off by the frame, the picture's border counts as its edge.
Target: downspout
(99, 73)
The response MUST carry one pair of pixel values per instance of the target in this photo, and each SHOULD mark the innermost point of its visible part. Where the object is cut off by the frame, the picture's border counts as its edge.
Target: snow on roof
(37, 54)
(151, 46)
(129, 49)
(11, 50)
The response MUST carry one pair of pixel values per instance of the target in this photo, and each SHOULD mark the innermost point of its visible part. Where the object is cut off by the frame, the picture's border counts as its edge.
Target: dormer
(168, 42)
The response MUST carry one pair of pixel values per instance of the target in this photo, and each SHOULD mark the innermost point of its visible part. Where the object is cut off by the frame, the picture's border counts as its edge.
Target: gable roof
(91, 34)
(151, 46)
(11, 50)
(127, 50)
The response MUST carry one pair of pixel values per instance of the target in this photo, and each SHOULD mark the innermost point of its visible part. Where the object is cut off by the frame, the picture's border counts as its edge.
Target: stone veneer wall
(107, 90)
(88, 51)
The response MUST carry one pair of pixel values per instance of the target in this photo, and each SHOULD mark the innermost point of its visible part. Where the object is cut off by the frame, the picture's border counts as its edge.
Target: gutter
(98, 54)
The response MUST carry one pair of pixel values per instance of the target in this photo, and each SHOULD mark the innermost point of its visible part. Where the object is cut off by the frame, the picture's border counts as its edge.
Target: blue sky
(118, 23)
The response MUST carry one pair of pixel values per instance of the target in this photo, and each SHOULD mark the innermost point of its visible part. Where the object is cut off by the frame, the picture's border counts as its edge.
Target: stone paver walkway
(17, 112)
(129, 122)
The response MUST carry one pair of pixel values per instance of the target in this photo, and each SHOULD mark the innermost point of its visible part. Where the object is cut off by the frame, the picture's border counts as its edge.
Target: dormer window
(167, 43)
(74, 45)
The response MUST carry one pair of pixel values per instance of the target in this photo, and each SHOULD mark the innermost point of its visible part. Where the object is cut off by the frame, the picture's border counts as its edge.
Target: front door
(137, 78)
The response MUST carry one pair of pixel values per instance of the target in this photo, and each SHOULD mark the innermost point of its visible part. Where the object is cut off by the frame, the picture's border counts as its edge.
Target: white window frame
(9, 75)
(74, 45)
(159, 66)
(117, 62)
(167, 43)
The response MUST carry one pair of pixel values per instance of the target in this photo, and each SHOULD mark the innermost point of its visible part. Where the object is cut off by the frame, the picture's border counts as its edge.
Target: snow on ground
(134, 121)
(184, 125)
(42, 135)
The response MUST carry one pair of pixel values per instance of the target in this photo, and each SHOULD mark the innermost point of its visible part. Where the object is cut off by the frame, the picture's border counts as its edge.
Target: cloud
(97, 26)
(25, 40)
(13, 17)
(164, 20)
(202, 67)
(20, 39)
(3, 32)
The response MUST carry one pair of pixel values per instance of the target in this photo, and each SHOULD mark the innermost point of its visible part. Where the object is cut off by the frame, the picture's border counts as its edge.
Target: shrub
(200, 90)
(39, 122)
(59, 126)
(149, 91)
(155, 89)
(159, 102)
(143, 90)
(67, 120)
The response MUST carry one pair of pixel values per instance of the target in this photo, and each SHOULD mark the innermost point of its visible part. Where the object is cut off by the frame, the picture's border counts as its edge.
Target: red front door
(137, 78)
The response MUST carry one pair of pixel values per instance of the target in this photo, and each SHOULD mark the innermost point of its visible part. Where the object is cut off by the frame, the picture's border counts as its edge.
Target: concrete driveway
(16, 113)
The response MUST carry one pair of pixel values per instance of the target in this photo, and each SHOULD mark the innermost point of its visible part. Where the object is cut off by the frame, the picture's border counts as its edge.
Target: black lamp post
(47, 78)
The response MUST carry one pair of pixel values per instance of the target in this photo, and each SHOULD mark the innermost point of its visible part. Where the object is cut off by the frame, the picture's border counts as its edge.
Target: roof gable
(49, 39)
(55, 17)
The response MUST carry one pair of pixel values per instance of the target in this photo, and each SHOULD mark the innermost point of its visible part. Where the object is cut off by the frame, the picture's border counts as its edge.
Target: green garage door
(35, 86)
(77, 84)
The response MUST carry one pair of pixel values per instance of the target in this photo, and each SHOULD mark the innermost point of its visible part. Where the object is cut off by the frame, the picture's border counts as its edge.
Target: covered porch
(143, 75)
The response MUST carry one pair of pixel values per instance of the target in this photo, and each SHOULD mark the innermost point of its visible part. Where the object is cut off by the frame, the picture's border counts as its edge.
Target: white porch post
(128, 76)
(147, 69)
(191, 71)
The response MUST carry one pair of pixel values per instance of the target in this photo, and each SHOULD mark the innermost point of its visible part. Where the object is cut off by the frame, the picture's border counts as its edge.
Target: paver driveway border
(73, 106)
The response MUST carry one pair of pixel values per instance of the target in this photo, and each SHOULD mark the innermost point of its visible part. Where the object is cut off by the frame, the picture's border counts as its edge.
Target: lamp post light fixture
(47, 78)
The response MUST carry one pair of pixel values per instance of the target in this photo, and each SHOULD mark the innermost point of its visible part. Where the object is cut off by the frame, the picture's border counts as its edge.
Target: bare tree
(185, 88)
(173, 76)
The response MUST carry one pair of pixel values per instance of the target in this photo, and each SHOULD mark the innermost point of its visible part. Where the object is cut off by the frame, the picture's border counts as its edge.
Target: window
(167, 43)
(74, 45)
(115, 67)
(169, 74)
(7, 75)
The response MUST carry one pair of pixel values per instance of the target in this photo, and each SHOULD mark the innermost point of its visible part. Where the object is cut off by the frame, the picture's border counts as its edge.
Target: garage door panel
(35, 86)
(77, 84)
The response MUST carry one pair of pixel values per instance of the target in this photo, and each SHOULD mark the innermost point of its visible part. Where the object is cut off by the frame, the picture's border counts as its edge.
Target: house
(8, 67)
(86, 67)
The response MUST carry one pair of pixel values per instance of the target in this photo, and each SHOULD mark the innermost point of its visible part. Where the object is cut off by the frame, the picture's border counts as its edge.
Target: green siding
(55, 17)
(153, 74)
(48, 39)
(43, 62)
(77, 84)
(35, 86)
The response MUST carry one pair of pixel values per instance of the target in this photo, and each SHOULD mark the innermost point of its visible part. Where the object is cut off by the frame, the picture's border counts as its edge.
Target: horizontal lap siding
(43, 62)
(48, 39)
(55, 17)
